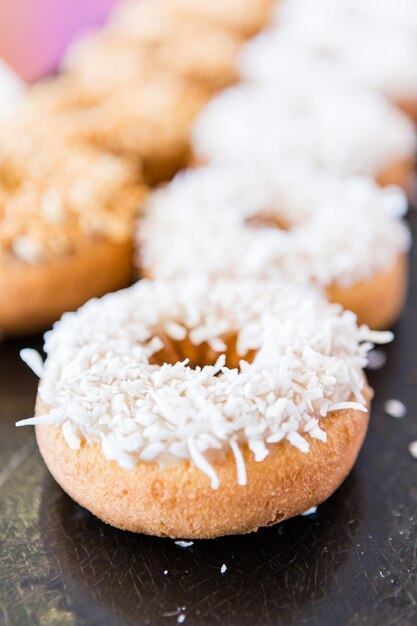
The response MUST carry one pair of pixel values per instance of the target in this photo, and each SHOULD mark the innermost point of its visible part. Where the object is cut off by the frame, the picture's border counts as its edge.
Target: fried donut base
(179, 502)
(34, 296)
(378, 301)
(409, 107)
(399, 173)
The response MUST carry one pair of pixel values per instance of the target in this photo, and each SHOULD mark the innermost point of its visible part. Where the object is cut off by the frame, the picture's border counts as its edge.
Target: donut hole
(177, 350)
(268, 220)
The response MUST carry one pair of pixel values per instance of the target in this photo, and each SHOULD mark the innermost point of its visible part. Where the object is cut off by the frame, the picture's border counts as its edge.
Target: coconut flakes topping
(330, 124)
(317, 228)
(400, 16)
(102, 381)
(68, 196)
(381, 58)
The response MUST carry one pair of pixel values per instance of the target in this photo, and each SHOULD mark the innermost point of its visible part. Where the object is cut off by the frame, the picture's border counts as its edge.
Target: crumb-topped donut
(149, 36)
(147, 122)
(198, 408)
(332, 125)
(244, 17)
(344, 235)
(195, 53)
(66, 216)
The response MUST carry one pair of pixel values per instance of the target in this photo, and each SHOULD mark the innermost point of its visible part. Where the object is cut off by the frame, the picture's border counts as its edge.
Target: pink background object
(35, 33)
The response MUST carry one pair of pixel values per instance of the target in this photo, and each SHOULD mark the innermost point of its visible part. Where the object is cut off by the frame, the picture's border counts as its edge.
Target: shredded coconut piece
(181, 618)
(221, 203)
(184, 544)
(413, 449)
(395, 408)
(107, 380)
(240, 463)
(342, 406)
(223, 568)
(33, 359)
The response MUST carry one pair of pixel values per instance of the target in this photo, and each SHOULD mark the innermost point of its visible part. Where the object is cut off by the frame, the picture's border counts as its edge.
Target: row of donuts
(216, 396)
(78, 154)
(80, 150)
(299, 167)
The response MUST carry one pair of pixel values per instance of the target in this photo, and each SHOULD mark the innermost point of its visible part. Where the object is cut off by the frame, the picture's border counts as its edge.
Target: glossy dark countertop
(354, 562)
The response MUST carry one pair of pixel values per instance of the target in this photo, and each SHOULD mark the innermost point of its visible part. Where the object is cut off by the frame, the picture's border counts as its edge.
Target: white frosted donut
(399, 16)
(337, 128)
(194, 382)
(293, 222)
(382, 59)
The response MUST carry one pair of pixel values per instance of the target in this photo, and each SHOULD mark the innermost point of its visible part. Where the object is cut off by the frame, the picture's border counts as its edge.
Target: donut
(11, 88)
(111, 59)
(148, 123)
(398, 17)
(333, 126)
(379, 58)
(66, 217)
(198, 408)
(244, 17)
(158, 38)
(344, 235)
(195, 53)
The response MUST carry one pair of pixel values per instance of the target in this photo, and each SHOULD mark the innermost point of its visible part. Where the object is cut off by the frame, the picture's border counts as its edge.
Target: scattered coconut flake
(413, 449)
(33, 359)
(223, 568)
(165, 572)
(376, 359)
(395, 408)
(181, 618)
(310, 511)
(184, 544)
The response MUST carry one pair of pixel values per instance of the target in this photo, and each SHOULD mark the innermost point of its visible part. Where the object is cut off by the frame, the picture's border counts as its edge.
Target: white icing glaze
(332, 125)
(101, 386)
(343, 230)
(381, 58)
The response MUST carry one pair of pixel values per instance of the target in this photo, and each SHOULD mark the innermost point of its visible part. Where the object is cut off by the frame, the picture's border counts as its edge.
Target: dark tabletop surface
(353, 562)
